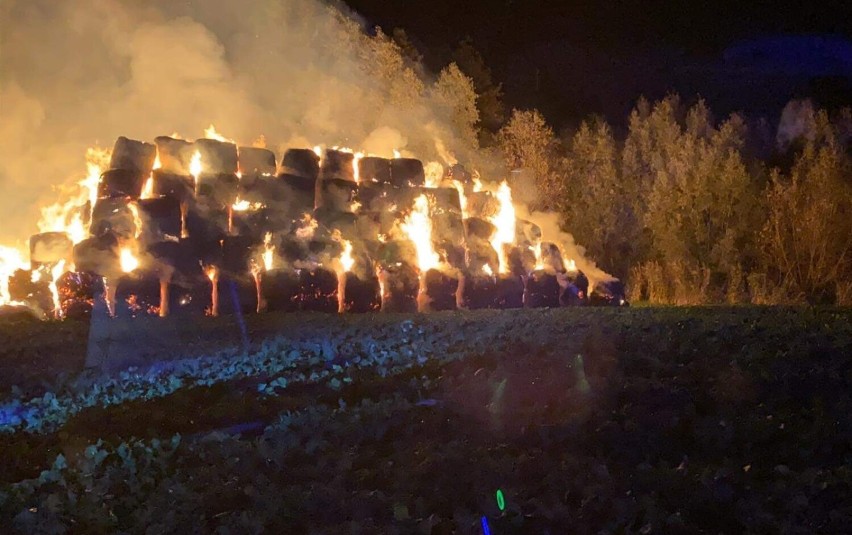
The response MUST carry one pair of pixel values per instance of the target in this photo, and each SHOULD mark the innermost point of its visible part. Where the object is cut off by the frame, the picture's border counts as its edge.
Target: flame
(418, 226)
(55, 273)
(137, 220)
(462, 198)
(195, 167)
(318, 150)
(397, 154)
(434, 173)
(213, 275)
(11, 260)
(504, 220)
(487, 270)
(477, 185)
(355, 160)
(242, 205)
(259, 142)
(268, 252)
(211, 133)
(306, 232)
(68, 216)
(128, 260)
(346, 260)
(539, 261)
(569, 264)
(148, 190)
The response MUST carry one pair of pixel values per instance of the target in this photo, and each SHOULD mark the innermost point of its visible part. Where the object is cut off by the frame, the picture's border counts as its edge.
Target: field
(645, 420)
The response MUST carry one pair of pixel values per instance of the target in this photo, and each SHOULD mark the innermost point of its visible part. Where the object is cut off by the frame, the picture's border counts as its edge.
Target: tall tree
(455, 93)
(528, 142)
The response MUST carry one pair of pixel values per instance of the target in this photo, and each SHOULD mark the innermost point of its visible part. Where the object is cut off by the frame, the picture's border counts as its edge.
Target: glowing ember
(211, 133)
(10, 260)
(504, 221)
(418, 227)
(268, 251)
(128, 260)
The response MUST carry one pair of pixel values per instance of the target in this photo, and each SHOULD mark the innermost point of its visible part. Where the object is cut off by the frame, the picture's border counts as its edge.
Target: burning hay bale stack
(210, 227)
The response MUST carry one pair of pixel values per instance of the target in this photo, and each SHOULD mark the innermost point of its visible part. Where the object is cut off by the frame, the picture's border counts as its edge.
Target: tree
(807, 239)
(696, 198)
(492, 111)
(597, 206)
(528, 142)
(454, 92)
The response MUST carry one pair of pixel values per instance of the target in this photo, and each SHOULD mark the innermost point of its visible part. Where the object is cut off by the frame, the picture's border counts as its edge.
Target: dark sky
(683, 43)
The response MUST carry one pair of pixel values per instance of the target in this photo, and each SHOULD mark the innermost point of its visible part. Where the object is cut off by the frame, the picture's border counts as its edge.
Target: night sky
(572, 59)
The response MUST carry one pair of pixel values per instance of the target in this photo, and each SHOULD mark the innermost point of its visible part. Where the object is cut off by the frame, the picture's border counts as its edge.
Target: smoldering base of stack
(361, 295)
(501, 292)
(191, 222)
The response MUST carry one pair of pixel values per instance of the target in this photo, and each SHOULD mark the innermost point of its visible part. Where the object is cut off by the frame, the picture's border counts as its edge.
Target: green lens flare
(501, 501)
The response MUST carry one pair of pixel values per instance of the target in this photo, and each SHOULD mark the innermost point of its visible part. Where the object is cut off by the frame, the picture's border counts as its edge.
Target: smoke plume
(300, 72)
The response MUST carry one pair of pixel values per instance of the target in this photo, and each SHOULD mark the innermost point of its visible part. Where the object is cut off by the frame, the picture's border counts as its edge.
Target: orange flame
(11, 260)
(310, 226)
(418, 227)
(434, 174)
(55, 273)
(355, 160)
(195, 167)
(128, 260)
(68, 216)
(137, 220)
(268, 252)
(539, 261)
(211, 133)
(504, 221)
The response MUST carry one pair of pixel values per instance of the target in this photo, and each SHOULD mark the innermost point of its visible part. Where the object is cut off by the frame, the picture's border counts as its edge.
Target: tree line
(690, 210)
(684, 207)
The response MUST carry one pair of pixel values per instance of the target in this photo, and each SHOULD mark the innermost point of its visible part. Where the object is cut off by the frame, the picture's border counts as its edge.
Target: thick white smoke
(75, 74)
